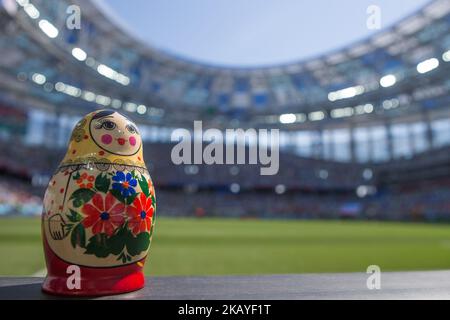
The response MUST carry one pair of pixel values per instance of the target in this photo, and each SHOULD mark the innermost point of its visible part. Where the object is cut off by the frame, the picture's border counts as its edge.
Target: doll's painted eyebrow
(105, 117)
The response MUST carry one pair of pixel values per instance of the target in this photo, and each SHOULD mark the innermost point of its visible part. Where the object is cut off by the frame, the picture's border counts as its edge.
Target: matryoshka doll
(99, 210)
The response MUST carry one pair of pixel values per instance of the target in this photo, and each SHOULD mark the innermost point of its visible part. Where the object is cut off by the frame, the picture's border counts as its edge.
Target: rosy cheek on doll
(107, 138)
(132, 141)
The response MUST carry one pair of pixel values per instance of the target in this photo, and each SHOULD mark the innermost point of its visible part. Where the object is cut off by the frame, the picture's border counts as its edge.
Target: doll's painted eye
(108, 125)
(131, 129)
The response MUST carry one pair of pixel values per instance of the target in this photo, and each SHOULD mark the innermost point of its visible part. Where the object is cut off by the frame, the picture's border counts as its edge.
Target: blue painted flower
(124, 183)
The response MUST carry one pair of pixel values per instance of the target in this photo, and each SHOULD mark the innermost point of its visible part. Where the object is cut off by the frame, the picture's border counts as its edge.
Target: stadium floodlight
(316, 116)
(106, 71)
(116, 103)
(122, 79)
(323, 174)
(191, 170)
(38, 78)
(130, 106)
(90, 62)
(367, 174)
(89, 96)
(31, 11)
(427, 65)
(79, 54)
(141, 109)
(72, 91)
(446, 56)
(288, 118)
(103, 100)
(280, 189)
(332, 96)
(368, 108)
(235, 188)
(363, 191)
(301, 117)
(391, 104)
(342, 112)
(48, 28)
(59, 86)
(112, 74)
(156, 112)
(346, 93)
(388, 81)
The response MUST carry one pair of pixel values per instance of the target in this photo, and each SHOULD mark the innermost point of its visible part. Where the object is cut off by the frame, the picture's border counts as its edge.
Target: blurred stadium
(364, 131)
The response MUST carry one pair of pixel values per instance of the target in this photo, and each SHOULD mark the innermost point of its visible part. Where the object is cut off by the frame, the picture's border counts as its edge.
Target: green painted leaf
(77, 203)
(74, 216)
(130, 199)
(153, 202)
(68, 227)
(118, 195)
(122, 244)
(116, 242)
(81, 196)
(98, 246)
(143, 183)
(102, 183)
(76, 176)
(73, 239)
(137, 244)
(78, 236)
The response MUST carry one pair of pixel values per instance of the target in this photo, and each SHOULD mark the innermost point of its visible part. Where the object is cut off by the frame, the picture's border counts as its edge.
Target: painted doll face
(114, 133)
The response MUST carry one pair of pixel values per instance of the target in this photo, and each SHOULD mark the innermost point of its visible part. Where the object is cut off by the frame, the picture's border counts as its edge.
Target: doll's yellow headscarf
(83, 148)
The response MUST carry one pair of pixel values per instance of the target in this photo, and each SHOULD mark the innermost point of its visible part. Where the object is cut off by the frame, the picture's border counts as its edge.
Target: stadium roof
(401, 70)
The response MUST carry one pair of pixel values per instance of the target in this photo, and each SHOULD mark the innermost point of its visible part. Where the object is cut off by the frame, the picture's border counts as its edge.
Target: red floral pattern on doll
(85, 181)
(103, 215)
(140, 214)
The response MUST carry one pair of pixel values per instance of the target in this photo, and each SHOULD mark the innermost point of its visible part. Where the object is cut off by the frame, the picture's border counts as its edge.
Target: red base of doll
(93, 281)
(95, 286)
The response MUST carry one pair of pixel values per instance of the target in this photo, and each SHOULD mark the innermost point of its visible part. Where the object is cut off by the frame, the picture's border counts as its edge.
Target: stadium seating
(364, 131)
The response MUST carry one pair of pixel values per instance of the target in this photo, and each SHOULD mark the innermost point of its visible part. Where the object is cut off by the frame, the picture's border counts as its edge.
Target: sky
(249, 33)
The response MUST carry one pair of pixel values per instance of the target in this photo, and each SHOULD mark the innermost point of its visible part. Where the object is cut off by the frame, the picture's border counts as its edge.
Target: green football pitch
(227, 246)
